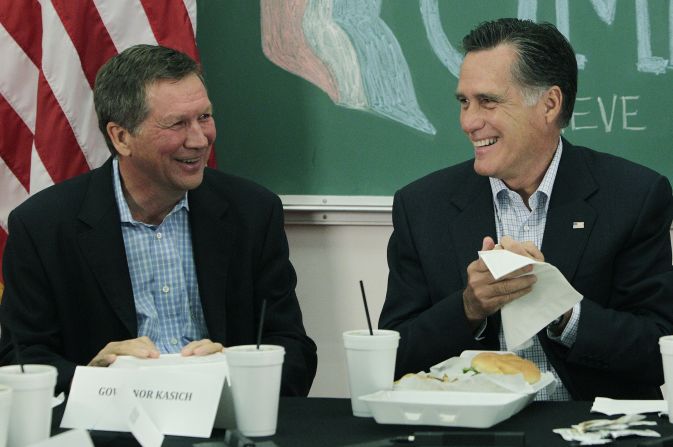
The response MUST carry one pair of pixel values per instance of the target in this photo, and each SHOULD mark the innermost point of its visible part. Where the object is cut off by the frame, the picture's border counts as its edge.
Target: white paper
(70, 438)
(551, 297)
(218, 360)
(604, 431)
(143, 429)
(57, 400)
(611, 407)
(226, 416)
(179, 402)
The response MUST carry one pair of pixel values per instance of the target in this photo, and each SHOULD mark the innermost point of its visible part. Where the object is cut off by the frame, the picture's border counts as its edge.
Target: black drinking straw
(364, 300)
(261, 323)
(17, 352)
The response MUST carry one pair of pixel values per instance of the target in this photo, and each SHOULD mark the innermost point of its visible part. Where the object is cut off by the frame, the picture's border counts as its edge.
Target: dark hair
(119, 93)
(546, 58)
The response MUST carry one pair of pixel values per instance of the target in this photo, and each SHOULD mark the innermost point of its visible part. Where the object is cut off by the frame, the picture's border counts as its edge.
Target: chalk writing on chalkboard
(350, 53)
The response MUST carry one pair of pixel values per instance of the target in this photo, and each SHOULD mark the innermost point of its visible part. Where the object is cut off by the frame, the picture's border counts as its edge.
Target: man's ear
(120, 137)
(553, 103)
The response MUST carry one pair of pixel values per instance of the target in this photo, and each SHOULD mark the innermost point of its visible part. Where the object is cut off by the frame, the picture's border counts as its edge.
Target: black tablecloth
(323, 422)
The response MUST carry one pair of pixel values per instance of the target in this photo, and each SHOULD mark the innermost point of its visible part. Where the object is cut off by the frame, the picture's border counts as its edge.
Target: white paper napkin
(604, 431)
(611, 407)
(551, 297)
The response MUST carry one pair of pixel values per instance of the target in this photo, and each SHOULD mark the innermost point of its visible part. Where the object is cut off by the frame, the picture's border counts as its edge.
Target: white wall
(330, 260)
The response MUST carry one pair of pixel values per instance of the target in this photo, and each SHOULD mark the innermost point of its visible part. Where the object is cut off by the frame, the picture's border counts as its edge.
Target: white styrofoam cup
(666, 348)
(5, 410)
(371, 364)
(32, 393)
(255, 386)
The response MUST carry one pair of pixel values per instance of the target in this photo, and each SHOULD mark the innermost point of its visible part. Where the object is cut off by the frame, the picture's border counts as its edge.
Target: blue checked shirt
(163, 275)
(514, 219)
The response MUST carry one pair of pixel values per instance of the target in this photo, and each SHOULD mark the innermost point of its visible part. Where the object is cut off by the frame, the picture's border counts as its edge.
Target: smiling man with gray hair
(153, 252)
(604, 222)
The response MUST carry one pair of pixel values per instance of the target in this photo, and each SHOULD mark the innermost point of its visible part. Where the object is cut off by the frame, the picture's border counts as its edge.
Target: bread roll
(420, 381)
(493, 362)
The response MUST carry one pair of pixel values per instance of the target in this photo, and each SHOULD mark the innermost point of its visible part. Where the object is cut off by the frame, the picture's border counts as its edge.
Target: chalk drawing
(385, 73)
(607, 121)
(361, 64)
(623, 109)
(527, 10)
(334, 48)
(563, 25)
(647, 63)
(605, 9)
(284, 44)
(670, 34)
(445, 52)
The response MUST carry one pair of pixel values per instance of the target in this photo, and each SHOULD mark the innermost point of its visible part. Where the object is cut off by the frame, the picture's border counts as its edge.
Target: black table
(324, 422)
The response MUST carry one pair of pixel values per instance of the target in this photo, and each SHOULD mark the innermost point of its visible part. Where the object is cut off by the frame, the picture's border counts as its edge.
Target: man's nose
(471, 119)
(196, 137)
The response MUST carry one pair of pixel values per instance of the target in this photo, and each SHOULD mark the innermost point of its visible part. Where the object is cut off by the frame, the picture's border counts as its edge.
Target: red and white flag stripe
(51, 51)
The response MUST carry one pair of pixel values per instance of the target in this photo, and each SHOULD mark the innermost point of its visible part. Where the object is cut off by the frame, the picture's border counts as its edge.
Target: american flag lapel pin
(578, 225)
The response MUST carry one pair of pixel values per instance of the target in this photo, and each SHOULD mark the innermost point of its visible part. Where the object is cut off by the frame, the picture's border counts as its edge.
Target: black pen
(463, 438)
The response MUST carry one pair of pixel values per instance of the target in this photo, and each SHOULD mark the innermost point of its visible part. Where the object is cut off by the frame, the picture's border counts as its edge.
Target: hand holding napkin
(552, 296)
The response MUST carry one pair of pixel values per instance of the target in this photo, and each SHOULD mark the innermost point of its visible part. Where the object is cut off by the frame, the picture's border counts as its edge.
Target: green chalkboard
(288, 134)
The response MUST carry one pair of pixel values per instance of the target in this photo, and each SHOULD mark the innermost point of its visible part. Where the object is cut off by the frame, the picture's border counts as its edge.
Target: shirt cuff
(569, 334)
(479, 333)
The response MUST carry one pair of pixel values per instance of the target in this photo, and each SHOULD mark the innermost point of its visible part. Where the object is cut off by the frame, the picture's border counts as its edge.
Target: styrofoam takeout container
(444, 408)
(452, 408)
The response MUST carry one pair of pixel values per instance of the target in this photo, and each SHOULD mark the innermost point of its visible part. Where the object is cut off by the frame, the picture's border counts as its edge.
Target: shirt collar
(545, 187)
(124, 210)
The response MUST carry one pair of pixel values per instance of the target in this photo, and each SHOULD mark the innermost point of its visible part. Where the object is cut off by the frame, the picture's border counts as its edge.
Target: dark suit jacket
(68, 290)
(620, 262)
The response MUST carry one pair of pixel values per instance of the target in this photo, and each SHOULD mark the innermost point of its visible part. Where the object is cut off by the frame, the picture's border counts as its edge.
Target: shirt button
(158, 235)
(165, 289)
(526, 227)
(174, 341)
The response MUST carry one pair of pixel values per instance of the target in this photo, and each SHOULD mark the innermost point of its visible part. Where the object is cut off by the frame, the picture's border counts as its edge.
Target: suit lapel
(570, 219)
(474, 221)
(102, 245)
(213, 233)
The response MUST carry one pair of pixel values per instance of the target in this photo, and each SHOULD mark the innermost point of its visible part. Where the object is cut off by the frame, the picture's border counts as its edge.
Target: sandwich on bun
(496, 363)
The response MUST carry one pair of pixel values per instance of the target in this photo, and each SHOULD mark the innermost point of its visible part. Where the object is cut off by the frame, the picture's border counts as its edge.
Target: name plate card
(178, 401)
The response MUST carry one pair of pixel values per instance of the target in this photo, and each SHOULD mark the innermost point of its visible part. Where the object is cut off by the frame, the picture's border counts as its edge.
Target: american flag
(50, 53)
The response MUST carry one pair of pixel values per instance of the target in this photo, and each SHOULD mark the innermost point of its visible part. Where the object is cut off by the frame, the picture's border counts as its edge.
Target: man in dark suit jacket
(70, 296)
(605, 221)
